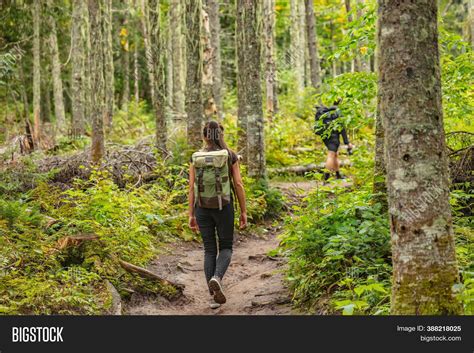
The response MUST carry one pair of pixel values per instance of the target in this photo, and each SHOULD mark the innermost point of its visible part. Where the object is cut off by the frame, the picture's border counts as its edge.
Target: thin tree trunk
(136, 71)
(169, 69)
(108, 64)
(270, 65)
(212, 9)
(296, 47)
(26, 110)
(249, 93)
(151, 39)
(423, 253)
(210, 109)
(355, 64)
(36, 11)
(77, 69)
(56, 73)
(379, 185)
(470, 23)
(87, 90)
(177, 42)
(194, 108)
(303, 46)
(98, 108)
(126, 58)
(313, 46)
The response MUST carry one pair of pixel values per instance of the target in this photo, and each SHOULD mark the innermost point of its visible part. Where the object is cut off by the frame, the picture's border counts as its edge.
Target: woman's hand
(193, 224)
(243, 220)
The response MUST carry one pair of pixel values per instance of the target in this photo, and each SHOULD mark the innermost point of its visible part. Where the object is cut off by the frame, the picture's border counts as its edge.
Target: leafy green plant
(341, 249)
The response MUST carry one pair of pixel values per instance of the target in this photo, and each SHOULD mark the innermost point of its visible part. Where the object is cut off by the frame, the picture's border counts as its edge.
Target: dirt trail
(253, 283)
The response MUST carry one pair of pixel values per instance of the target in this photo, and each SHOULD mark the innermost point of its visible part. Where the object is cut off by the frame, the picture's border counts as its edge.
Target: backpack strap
(231, 181)
(217, 172)
(200, 184)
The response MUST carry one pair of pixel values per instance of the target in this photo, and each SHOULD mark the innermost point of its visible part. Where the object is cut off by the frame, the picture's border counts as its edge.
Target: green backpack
(212, 187)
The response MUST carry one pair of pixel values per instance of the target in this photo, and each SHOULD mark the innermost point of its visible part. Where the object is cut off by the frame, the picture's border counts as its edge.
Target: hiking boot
(213, 304)
(340, 176)
(216, 287)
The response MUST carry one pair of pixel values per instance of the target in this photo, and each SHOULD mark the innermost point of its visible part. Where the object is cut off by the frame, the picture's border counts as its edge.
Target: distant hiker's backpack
(323, 117)
(212, 187)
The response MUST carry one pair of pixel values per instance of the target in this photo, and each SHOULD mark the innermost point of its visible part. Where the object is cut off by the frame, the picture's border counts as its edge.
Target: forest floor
(254, 283)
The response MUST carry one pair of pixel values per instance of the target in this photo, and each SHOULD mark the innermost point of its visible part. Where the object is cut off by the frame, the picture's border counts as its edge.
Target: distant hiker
(330, 133)
(214, 176)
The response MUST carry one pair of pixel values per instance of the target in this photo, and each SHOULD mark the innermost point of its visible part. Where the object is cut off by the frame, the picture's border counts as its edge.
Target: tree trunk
(77, 69)
(177, 42)
(36, 9)
(26, 110)
(136, 71)
(98, 108)
(56, 73)
(194, 108)
(125, 33)
(210, 109)
(108, 63)
(212, 9)
(151, 39)
(270, 65)
(379, 185)
(424, 261)
(313, 46)
(87, 91)
(296, 47)
(470, 23)
(249, 89)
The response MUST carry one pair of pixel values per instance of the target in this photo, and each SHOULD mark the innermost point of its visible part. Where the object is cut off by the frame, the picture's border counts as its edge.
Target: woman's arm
(192, 218)
(240, 191)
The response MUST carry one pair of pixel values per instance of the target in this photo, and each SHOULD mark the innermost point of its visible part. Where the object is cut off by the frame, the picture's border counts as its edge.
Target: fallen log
(143, 272)
(302, 169)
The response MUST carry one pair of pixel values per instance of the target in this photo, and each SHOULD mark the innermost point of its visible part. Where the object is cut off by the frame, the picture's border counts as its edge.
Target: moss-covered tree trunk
(96, 61)
(36, 12)
(77, 69)
(194, 108)
(424, 261)
(249, 88)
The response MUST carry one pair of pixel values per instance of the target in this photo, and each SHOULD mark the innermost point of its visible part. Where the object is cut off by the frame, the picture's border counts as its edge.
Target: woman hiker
(214, 176)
